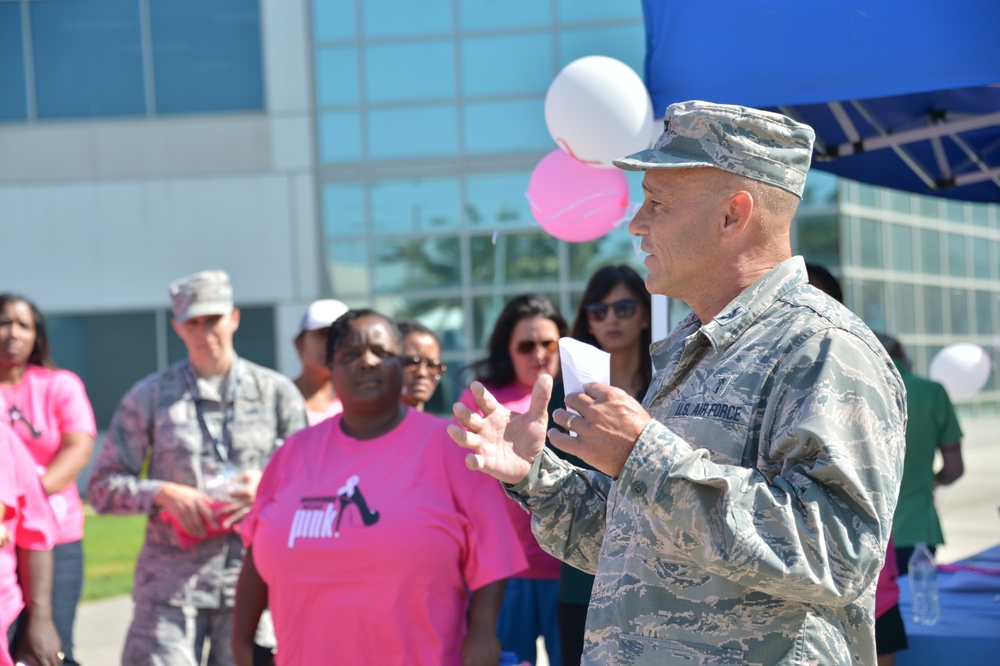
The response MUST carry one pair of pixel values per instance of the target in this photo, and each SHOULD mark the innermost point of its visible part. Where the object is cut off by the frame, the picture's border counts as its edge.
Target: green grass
(111, 545)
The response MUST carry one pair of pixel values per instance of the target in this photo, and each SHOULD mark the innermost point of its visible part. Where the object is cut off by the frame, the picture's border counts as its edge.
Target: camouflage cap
(200, 294)
(761, 145)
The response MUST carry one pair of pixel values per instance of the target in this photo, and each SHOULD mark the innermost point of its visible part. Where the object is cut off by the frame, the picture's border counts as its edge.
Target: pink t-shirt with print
(28, 519)
(370, 547)
(55, 402)
(517, 398)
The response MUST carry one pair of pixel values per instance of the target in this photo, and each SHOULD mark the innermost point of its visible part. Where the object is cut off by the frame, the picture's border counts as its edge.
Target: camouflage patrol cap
(200, 294)
(761, 145)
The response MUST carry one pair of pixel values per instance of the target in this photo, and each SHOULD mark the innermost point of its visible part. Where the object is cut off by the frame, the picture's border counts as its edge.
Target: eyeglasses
(525, 347)
(624, 309)
(414, 362)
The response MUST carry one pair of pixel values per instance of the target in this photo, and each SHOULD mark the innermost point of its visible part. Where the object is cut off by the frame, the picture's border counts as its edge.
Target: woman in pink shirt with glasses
(524, 346)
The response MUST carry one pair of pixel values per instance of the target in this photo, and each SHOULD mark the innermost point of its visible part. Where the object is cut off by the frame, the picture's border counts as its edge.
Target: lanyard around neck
(222, 442)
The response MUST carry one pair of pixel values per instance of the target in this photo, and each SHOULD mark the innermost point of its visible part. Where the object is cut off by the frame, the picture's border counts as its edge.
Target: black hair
(407, 326)
(823, 280)
(40, 352)
(497, 368)
(339, 329)
(600, 285)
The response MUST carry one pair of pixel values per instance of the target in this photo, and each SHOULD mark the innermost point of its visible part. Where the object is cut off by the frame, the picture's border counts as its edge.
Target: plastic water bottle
(924, 586)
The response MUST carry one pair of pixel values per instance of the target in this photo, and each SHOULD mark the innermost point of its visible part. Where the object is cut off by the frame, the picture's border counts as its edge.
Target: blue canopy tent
(903, 94)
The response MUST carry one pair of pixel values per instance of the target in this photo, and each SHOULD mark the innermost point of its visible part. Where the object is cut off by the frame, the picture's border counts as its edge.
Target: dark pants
(903, 557)
(67, 584)
(572, 626)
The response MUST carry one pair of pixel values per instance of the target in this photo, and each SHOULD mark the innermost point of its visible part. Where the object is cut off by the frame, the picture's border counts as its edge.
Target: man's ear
(738, 208)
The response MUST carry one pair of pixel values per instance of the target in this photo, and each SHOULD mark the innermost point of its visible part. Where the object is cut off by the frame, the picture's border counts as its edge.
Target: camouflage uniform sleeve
(291, 409)
(568, 506)
(810, 522)
(115, 485)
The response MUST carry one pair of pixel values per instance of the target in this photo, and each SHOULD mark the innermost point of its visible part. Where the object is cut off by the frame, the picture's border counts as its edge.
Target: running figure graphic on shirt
(315, 520)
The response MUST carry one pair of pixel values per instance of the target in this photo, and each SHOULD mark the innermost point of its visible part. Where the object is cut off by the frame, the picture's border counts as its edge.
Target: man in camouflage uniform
(211, 420)
(744, 509)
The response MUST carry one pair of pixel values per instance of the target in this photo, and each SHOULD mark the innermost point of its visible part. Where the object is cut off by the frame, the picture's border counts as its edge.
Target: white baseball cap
(322, 313)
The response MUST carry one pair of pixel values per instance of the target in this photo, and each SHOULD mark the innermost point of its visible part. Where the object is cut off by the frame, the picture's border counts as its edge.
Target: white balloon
(597, 109)
(962, 368)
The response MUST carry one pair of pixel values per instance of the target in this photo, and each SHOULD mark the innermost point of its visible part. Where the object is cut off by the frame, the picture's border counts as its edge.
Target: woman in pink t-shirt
(49, 411)
(369, 540)
(524, 345)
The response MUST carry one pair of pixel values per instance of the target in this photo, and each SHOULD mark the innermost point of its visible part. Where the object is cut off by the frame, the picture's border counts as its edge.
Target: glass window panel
(343, 210)
(598, 10)
(337, 76)
(818, 238)
(110, 353)
(254, 340)
(995, 258)
(959, 302)
(333, 19)
(397, 18)
(956, 255)
(206, 55)
(901, 246)
(928, 207)
(933, 310)
(873, 307)
(408, 72)
(13, 99)
(416, 132)
(900, 201)
(88, 58)
(340, 137)
(871, 242)
(501, 127)
(615, 247)
(847, 230)
(625, 43)
(415, 205)
(494, 15)
(930, 251)
(507, 65)
(416, 264)
(497, 200)
(444, 316)
(980, 214)
(983, 315)
(868, 195)
(954, 210)
(821, 188)
(347, 268)
(904, 303)
(517, 259)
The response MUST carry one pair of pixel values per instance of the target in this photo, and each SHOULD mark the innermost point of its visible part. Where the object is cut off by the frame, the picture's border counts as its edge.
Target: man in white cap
(741, 513)
(310, 343)
(187, 447)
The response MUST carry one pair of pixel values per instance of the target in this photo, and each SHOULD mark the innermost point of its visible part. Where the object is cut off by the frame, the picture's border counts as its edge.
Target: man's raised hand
(502, 443)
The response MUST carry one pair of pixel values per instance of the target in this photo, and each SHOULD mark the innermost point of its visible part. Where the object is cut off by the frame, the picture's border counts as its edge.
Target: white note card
(582, 364)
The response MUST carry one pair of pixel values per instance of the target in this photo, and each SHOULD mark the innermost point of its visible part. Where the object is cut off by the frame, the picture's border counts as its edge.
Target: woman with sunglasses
(422, 366)
(614, 315)
(49, 411)
(524, 345)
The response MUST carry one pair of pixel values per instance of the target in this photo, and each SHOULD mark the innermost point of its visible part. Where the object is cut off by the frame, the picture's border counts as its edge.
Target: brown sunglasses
(525, 347)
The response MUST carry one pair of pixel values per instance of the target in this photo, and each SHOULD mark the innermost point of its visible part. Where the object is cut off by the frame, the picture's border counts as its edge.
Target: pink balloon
(575, 202)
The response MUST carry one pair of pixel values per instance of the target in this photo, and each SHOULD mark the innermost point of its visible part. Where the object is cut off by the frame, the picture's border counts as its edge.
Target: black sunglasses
(624, 309)
(413, 362)
(525, 347)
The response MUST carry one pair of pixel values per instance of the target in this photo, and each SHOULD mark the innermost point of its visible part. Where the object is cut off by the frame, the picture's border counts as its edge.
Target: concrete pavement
(968, 510)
